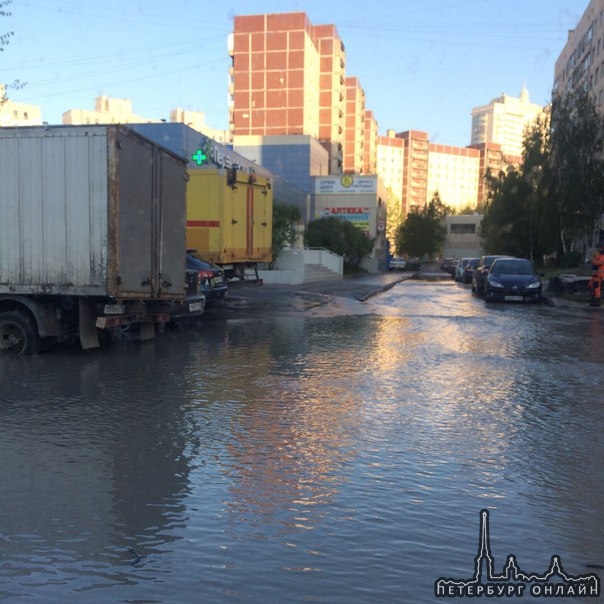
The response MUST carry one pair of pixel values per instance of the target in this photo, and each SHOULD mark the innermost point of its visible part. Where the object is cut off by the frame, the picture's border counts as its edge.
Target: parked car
(194, 303)
(468, 271)
(397, 264)
(448, 266)
(512, 280)
(210, 276)
(479, 276)
(460, 265)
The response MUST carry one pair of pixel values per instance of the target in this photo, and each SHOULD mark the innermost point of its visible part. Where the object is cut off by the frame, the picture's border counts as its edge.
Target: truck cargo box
(90, 211)
(229, 216)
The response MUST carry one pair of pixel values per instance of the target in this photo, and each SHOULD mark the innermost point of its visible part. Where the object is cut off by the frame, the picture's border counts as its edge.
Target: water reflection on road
(288, 458)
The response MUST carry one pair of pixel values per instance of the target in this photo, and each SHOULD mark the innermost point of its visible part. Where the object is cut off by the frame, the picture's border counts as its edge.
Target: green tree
(285, 220)
(504, 228)
(553, 201)
(575, 170)
(394, 212)
(340, 237)
(423, 232)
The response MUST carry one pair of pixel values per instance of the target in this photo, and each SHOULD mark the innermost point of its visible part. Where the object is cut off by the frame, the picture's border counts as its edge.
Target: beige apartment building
(581, 62)
(197, 121)
(503, 121)
(454, 173)
(106, 111)
(354, 132)
(18, 114)
(413, 170)
(109, 110)
(389, 162)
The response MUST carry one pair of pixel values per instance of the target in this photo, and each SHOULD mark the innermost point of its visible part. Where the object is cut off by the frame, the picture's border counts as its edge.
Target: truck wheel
(17, 334)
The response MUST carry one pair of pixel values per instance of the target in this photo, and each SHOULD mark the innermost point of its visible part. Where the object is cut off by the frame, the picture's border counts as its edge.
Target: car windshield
(488, 260)
(513, 267)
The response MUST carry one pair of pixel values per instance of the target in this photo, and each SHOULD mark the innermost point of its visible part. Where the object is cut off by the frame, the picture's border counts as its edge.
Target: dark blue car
(512, 280)
(211, 278)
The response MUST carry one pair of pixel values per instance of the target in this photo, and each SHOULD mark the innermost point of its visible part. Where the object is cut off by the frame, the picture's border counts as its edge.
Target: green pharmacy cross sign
(199, 157)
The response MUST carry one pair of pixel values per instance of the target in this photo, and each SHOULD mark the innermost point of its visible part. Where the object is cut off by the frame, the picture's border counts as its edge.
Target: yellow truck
(230, 218)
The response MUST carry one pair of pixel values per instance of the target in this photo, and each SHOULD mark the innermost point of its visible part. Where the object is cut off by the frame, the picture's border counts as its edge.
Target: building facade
(413, 169)
(503, 121)
(454, 174)
(416, 149)
(354, 133)
(197, 121)
(389, 160)
(288, 77)
(18, 114)
(360, 200)
(275, 76)
(581, 62)
(106, 111)
(296, 158)
(463, 236)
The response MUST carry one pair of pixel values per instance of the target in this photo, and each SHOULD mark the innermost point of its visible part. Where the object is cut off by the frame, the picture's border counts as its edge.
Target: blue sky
(424, 64)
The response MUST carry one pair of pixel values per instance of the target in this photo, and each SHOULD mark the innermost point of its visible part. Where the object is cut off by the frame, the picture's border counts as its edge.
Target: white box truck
(92, 234)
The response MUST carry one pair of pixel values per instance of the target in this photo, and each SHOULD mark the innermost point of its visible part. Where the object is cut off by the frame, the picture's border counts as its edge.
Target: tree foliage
(394, 212)
(4, 41)
(575, 167)
(285, 220)
(5, 37)
(552, 202)
(423, 232)
(519, 218)
(339, 236)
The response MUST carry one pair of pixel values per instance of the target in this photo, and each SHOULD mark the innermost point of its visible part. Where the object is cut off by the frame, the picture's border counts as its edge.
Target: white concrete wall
(290, 266)
(328, 259)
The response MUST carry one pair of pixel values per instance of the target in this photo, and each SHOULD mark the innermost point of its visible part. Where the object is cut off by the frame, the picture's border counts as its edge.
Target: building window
(463, 229)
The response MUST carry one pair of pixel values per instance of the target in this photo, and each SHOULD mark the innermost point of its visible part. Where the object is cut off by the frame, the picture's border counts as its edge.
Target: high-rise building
(370, 144)
(413, 169)
(354, 132)
(416, 148)
(492, 160)
(332, 94)
(503, 121)
(581, 62)
(453, 173)
(275, 75)
(288, 77)
(389, 160)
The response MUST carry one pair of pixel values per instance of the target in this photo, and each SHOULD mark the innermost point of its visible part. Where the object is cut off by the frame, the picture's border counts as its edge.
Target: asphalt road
(344, 295)
(306, 296)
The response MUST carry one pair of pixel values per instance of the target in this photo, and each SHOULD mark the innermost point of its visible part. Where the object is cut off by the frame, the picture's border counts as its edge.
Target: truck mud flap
(146, 331)
(89, 335)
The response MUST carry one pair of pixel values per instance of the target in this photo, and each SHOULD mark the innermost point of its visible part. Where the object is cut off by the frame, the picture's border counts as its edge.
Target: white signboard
(347, 184)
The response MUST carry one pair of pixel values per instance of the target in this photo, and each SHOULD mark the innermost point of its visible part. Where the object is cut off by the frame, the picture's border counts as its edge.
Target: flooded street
(293, 458)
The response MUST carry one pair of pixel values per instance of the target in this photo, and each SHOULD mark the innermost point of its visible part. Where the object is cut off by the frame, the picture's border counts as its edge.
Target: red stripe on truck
(203, 223)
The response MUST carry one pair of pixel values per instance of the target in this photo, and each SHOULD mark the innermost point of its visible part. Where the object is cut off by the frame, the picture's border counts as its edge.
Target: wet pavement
(348, 291)
(271, 456)
(346, 295)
